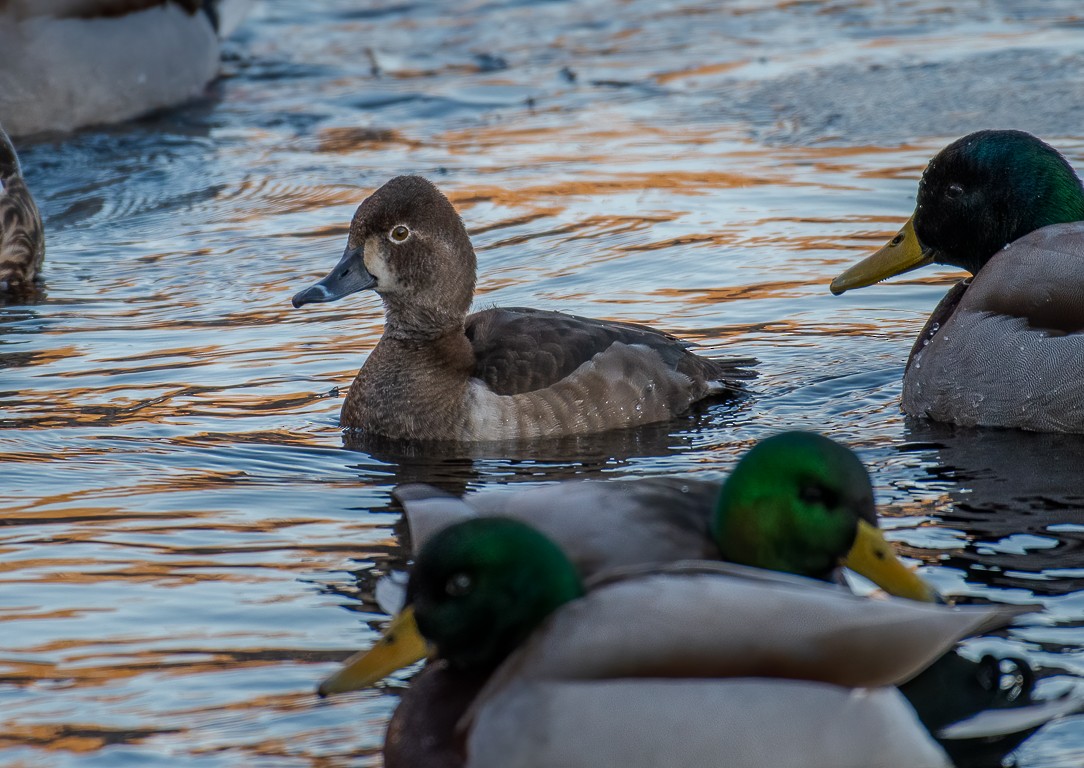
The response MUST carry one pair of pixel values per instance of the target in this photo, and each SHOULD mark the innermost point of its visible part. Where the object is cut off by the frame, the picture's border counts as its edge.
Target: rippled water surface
(186, 537)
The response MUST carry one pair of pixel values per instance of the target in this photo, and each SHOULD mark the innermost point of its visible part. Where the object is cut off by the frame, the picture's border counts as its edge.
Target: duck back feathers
(600, 524)
(517, 349)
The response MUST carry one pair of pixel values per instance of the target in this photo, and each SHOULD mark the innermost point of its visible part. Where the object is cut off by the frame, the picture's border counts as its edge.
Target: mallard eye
(817, 494)
(399, 234)
(954, 190)
(459, 584)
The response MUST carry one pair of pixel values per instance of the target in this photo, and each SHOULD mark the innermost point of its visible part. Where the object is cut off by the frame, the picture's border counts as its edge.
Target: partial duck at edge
(22, 237)
(65, 64)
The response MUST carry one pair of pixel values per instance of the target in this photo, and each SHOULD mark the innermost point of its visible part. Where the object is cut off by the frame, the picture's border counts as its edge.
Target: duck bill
(349, 276)
(872, 557)
(902, 253)
(400, 646)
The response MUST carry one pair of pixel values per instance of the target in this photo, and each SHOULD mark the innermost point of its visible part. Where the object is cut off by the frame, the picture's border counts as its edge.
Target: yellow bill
(902, 253)
(873, 557)
(401, 645)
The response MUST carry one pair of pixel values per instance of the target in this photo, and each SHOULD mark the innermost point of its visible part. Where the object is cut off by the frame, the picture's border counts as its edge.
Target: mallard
(1004, 348)
(797, 502)
(22, 239)
(70, 63)
(693, 664)
(512, 373)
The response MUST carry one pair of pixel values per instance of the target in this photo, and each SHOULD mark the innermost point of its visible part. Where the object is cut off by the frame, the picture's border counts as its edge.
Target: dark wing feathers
(518, 349)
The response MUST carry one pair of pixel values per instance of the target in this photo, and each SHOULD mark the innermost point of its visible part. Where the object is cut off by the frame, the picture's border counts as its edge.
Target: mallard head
(801, 503)
(476, 591)
(977, 195)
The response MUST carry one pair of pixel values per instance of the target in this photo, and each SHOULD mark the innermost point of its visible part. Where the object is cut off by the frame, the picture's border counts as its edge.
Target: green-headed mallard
(22, 239)
(438, 373)
(1005, 347)
(690, 665)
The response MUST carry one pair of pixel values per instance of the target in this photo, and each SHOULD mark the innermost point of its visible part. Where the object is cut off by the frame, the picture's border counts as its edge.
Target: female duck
(694, 665)
(1005, 347)
(500, 374)
(22, 239)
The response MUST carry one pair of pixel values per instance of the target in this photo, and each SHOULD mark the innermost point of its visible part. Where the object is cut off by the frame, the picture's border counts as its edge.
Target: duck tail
(728, 374)
(993, 723)
(1009, 716)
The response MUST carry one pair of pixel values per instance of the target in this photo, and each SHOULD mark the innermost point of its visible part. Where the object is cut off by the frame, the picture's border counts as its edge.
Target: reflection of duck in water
(22, 239)
(69, 63)
(1006, 347)
(695, 664)
(499, 374)
(1016, 496)
(797, 503)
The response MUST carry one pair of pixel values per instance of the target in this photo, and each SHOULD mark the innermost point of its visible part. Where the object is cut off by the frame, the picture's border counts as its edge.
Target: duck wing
(701, 620)
(519, 350)
(714, 664)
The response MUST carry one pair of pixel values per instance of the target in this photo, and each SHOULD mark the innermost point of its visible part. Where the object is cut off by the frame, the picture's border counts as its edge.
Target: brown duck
(511, 373)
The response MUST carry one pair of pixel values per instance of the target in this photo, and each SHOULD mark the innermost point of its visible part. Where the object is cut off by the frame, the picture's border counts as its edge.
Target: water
(188, 541)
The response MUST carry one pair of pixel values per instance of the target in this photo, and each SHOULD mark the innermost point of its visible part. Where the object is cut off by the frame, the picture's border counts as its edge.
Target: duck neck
(419, 321)
(413, 385)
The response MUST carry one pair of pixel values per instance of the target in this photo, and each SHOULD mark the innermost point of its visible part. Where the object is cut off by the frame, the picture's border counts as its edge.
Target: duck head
(476, 591)
(977, 195)
(409, 245)
(801, 503)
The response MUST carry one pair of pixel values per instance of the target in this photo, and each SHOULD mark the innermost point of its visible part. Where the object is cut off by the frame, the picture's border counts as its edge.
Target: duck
(797, 503)
(1004, 347)
(687, 664)
(66, 64)
(500, 374)
(22, 237)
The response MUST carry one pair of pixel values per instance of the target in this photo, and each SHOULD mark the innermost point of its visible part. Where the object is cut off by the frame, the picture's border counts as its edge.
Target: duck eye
(399, 234)
(954, 190)
(458, 585)
(813, 493)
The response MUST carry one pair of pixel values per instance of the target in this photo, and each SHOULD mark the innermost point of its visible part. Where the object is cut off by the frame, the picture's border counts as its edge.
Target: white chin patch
(375, 257)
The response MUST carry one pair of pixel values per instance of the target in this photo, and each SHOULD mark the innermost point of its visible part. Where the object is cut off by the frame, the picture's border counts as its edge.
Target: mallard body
(70, 63)
(600, 524)
(1008, 349)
